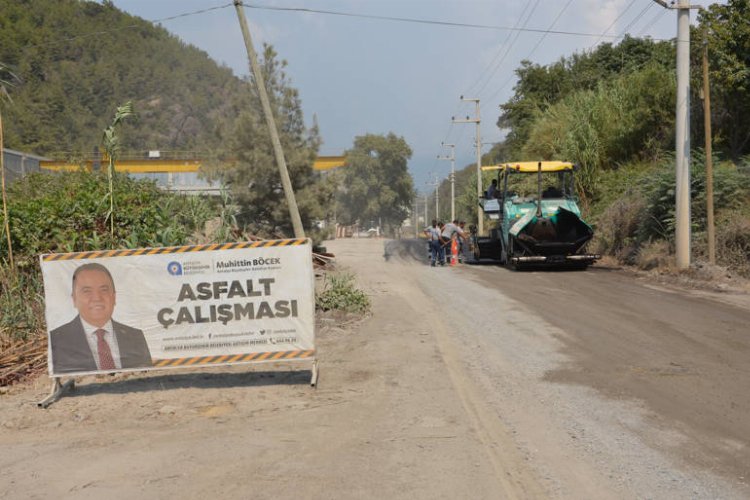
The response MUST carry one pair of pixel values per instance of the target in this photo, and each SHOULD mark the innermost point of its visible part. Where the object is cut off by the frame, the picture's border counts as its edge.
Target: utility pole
(425, 208)
(477, 120)
(452, 158)
(682, 133)
(286, 182)
(709, 160)
(682, 138)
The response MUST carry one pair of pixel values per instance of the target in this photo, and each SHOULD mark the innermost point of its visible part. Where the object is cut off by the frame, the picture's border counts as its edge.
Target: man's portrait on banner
(93, 340)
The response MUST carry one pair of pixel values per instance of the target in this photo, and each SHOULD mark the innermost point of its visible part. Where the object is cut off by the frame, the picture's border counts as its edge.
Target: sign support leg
(314, 377)
(56, 392)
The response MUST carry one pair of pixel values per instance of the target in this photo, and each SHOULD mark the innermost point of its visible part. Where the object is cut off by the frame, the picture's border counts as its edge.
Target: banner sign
(152, 308)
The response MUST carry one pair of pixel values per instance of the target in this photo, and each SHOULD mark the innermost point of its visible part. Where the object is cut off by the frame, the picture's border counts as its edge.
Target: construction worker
(450, 231)
(433, 237)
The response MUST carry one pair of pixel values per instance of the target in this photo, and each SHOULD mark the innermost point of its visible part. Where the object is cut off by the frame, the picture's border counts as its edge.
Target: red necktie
(106, 362)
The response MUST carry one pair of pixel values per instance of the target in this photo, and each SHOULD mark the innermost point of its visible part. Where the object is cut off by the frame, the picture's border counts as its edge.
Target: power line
(512, 43)
(500, 49)
(549, 30)
(419, 21)
(655, 20)
(559, 15)
(614, 23)
(127, 27)
(193, 13)
(635, 20)
(327, 12)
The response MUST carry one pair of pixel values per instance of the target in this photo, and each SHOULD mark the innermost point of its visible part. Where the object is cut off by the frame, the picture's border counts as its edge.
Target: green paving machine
(538, 221)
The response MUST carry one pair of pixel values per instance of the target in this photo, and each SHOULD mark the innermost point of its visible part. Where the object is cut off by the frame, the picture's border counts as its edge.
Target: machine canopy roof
(532, 166)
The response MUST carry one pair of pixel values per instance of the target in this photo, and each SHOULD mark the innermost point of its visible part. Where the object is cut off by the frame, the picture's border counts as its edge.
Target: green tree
(624, 119)
(252, 175)
(376, 185)
(540, 87)
(727, 31)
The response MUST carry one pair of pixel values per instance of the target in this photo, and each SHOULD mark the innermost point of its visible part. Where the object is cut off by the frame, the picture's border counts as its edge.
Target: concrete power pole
(286, 182)
(682, 138)
(452, 158)
(682, 133)
(709, 160)
(477, 120)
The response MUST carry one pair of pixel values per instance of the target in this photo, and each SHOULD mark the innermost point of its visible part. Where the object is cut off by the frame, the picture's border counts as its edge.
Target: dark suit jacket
(71, 352)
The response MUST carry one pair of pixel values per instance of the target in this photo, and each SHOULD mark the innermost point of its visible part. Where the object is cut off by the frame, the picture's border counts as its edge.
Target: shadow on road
(166, 382)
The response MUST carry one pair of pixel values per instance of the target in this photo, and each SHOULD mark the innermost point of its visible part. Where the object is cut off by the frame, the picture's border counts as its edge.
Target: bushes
(616, 233)
(733, 243)
(636, 218)
(340, 293)
(69, 213)
(731, 192)
(627, 118)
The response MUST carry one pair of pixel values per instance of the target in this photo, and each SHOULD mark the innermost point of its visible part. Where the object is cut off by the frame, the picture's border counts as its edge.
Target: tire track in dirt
(516, 480)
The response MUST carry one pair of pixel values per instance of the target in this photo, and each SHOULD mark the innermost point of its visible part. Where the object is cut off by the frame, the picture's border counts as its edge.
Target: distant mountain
(78, 60)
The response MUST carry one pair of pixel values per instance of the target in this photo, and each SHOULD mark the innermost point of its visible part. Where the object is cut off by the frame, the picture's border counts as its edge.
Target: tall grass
(21, 304)
(626, 119)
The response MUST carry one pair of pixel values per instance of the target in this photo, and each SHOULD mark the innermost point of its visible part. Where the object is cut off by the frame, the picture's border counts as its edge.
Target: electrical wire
(193, 13)
(326, 12)
(415, 20)
(613, 23)
(528, 56)
(541, 39)
(634, 21)
(127, 27)
(500, 48)
(510, 47)
(655, 20)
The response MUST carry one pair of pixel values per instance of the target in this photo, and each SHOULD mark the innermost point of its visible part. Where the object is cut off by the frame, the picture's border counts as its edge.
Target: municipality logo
(174, 268)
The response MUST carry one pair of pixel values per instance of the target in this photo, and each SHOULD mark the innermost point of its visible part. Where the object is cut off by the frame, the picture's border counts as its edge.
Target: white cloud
(600, 14)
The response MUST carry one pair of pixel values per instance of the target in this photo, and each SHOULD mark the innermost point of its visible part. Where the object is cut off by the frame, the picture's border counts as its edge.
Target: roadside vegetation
(611, 111)
(63, 95)
(340, 293)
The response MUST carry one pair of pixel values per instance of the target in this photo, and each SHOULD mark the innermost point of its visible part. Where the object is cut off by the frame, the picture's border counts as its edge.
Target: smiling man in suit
(93, 341)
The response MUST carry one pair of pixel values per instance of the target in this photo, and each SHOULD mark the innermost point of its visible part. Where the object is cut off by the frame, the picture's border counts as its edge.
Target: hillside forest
(67, 66)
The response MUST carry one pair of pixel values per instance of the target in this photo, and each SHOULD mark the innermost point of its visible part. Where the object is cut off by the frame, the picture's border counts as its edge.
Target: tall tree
(251, 172)
(727, 31)
(377, 186)
(541, 86)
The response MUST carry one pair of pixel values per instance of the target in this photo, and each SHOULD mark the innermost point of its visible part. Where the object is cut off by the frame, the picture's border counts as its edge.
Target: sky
(360, 75)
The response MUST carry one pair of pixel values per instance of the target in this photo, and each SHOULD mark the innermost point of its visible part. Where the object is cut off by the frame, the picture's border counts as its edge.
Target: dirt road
(470, 382)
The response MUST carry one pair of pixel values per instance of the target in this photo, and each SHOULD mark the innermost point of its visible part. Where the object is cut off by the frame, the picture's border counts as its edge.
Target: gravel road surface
(464, 382)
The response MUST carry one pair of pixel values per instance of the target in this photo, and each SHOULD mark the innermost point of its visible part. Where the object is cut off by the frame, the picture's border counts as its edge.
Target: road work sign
(158, 308)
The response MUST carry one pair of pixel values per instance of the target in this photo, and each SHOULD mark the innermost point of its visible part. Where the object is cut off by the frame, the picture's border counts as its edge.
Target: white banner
(145, 309)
